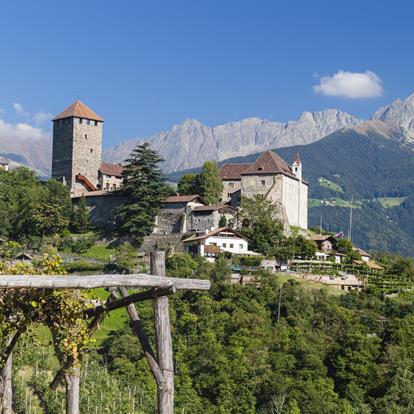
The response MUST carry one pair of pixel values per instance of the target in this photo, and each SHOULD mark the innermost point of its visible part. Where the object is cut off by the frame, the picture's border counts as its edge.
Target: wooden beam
(129, 299)
(9, 348)
(144, 341)
(139, 280)
(6, 387)
(72, 391)
(165, 395)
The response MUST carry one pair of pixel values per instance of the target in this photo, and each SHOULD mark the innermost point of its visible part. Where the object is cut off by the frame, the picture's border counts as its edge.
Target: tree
(210, 184)
(303, 248)
(260, 223)
(188, 184)
(80, 220)
(144, 190)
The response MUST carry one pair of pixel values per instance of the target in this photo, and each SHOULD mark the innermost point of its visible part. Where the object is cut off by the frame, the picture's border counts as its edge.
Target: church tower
(77, 147)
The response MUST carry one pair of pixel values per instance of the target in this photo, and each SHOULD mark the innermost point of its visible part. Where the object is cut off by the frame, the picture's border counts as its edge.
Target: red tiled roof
(111, 169)
(214, 208)
(80, 110)
(183, 198)
(214, 233)
(232, 171)
(269, 163)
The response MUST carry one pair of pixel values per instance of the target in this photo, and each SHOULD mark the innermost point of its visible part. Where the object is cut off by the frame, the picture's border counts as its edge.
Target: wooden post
(72, 391)
(6, 374)
(165, 395)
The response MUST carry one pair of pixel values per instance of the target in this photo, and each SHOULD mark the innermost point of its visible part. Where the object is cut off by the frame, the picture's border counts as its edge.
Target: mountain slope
(191, 143)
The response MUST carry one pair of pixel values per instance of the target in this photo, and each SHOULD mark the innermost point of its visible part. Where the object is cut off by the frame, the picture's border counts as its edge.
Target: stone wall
(77, 149)
(101, 208)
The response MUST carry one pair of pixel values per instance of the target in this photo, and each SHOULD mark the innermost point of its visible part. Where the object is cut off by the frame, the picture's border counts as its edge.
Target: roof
(321, 237)
(214, 208)
(80, 110)
(111, 169)
(232, 171)
(214, 233)
(362, 252)
(183, 198)
(297, 160)
(268, 163)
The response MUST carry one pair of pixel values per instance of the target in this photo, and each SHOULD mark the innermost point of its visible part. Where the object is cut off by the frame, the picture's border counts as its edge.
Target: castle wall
(295, 202)
(87, 151)
(62, 150)
(77, 149)
(229, 187)
(262, 184)
(101, 208)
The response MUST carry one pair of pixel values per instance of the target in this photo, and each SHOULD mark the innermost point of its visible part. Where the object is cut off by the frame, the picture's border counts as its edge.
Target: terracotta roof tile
(232, 171)
(297, 159)
(183, 198)
(269, 163)
(111, 169)
(80, 110)
(215, 208)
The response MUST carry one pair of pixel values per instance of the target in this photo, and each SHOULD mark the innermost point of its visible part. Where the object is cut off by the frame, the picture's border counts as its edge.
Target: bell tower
(77, 147)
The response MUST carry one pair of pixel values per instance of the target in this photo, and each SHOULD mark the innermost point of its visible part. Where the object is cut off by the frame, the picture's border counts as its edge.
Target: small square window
(231, 185)
(224, 245)
(88, 122)
(231, 245)
(80, 120)
(262, 182)
(240, 246)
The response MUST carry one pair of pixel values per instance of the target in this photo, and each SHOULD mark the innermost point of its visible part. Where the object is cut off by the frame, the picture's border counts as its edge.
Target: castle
(77, 152)
(77, 161)
(275, 179)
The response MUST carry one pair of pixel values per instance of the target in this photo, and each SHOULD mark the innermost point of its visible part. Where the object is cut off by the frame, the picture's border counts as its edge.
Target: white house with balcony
(212, 243)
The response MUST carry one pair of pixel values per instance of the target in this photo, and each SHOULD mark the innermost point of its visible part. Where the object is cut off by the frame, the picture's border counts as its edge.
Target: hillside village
(187, 223)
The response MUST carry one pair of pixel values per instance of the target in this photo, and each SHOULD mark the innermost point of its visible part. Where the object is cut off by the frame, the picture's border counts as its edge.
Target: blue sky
(146, 65)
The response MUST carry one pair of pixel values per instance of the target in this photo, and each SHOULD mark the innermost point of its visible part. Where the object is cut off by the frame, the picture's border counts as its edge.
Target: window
(86, 136)
(241, 246)
(296, 169)
(229, 195)
(231, 245)
(231, 185)
(88, 122)
(80, 120)
(96, 123)
(224, 245)
(91, 150)
(262, 182)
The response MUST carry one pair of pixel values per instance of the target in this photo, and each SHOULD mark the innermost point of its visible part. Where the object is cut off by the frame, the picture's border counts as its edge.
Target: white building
(212, 243)
(4, 164)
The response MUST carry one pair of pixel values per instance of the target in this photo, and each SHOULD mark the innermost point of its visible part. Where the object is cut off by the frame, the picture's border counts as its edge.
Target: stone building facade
(77, 152)
(275, 179)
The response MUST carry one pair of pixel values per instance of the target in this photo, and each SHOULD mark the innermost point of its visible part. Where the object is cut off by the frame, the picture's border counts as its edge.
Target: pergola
(159, 362)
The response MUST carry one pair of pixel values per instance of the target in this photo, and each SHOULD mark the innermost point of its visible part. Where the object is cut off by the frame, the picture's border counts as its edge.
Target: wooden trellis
(160, 363)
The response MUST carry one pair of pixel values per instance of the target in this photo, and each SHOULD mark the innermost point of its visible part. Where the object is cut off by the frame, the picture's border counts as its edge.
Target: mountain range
(191, 143)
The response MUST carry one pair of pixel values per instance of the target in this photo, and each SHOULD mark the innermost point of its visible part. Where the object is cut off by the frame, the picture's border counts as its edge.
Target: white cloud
(11, 134)
(20, 110)
(41, 117)
(354, 85)
(38, 118)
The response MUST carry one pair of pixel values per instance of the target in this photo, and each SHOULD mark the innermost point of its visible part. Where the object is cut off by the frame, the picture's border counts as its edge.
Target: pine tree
(80, 221)
(144, 189)
(211, 186)
(188, 184)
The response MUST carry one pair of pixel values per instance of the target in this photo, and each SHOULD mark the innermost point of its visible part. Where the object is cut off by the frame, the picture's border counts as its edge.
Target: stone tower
(77, 147)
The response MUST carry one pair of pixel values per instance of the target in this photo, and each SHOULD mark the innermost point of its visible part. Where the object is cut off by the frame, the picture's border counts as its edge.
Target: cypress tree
(144, 188)
(211, 186)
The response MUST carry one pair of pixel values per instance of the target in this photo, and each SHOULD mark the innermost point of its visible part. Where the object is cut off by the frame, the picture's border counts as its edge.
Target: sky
(147, 65)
